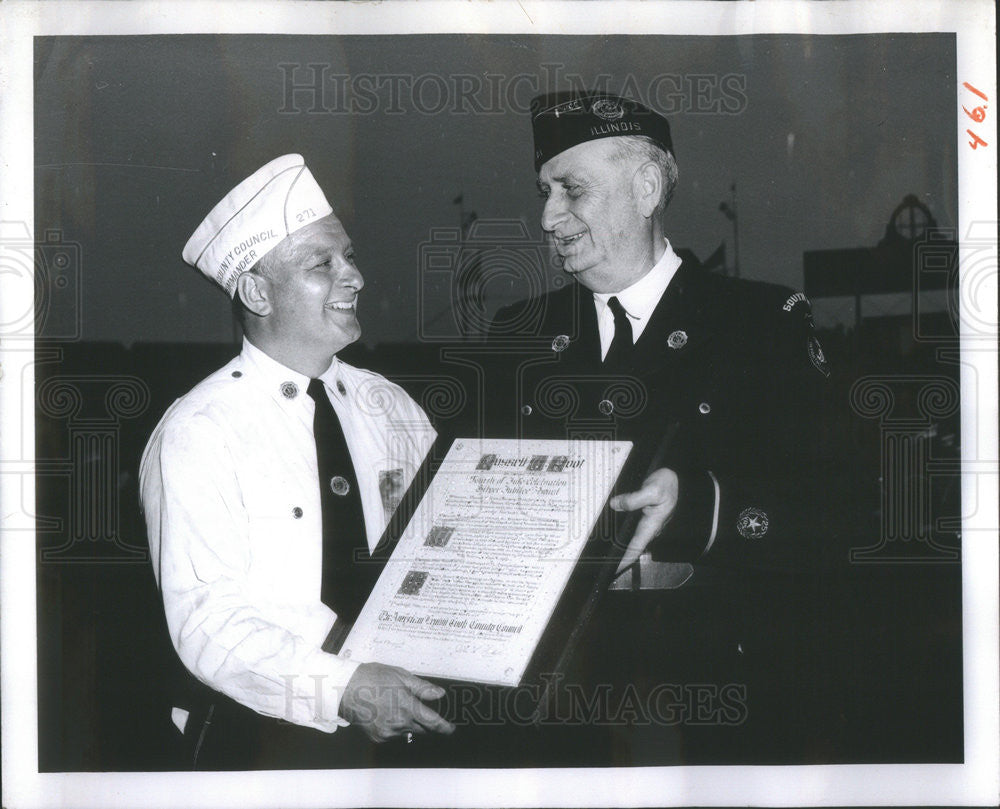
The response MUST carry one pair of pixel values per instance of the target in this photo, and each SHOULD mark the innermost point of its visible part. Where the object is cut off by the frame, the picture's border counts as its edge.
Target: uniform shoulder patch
(752, 523)
(793, 299)
(816, 355)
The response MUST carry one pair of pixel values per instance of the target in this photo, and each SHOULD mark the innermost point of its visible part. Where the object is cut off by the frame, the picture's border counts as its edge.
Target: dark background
(137, 137)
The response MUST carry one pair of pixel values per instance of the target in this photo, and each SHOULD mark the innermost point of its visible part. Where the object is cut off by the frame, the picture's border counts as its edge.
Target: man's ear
(647, 185)
(254, 292)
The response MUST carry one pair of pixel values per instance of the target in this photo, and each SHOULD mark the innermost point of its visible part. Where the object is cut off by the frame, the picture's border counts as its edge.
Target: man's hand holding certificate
(479, 570)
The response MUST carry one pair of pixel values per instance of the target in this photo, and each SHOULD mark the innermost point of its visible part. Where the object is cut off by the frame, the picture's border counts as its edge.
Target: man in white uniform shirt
(241, 527)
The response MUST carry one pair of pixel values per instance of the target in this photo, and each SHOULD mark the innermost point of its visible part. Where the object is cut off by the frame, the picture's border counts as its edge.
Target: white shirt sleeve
(223, 632)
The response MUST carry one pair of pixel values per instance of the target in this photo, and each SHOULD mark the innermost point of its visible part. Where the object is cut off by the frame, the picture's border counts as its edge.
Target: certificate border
(583, 588)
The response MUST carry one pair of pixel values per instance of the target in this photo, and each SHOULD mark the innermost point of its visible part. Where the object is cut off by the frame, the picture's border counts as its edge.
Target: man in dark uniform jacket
(715, 380)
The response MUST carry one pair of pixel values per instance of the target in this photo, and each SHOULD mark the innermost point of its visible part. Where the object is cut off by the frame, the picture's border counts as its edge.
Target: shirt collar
(331, 375)
(640, 299)
(277, 378)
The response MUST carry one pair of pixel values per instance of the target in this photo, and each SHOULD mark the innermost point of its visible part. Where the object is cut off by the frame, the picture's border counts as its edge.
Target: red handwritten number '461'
(977, 114)
(976, 141)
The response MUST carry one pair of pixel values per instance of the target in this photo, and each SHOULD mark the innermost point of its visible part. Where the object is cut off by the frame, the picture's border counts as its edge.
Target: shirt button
(297, 513)
(526, 410)
(237, 374)
(289, 390)
(704, 408)
(606, 407)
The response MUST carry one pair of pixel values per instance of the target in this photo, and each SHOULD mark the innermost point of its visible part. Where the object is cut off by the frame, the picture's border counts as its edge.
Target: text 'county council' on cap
(253, 218)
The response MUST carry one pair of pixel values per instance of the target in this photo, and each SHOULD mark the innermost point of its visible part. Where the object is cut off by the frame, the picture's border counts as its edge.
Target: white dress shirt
(229, 488)
(638, 300)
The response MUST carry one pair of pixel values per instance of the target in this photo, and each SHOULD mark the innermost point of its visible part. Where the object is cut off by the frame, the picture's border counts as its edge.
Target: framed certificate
(496, 570)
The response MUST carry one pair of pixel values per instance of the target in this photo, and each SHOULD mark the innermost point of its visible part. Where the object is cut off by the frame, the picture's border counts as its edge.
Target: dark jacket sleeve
(752, 491)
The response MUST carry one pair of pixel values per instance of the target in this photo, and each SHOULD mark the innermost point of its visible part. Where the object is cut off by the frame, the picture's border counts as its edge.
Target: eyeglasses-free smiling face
(592, 216)
(313, 287)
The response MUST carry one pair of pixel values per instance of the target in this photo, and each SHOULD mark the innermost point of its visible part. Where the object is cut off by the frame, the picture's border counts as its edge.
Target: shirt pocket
(285, 550)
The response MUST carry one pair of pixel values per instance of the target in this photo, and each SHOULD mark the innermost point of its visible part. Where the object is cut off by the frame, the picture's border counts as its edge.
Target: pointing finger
(648, 495)
(647, 528)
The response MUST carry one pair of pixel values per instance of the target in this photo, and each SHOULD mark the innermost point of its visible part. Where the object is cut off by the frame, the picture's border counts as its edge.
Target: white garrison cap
(250, 221)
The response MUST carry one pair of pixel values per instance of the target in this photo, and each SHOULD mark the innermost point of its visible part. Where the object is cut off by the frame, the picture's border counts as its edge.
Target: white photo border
(973, 783)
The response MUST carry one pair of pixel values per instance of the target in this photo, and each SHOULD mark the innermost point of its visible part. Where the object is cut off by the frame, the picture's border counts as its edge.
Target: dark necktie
(346, 584)
(620, 350)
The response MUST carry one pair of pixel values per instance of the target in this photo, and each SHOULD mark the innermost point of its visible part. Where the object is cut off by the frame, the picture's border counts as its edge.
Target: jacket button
(606, 407)
(341, 389)
(526, 410)
(704, 408)
(297, 513)
(237, 374)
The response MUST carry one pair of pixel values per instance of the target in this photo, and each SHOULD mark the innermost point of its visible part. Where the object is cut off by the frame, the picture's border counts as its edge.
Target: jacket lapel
(678, 325)
(584, 348)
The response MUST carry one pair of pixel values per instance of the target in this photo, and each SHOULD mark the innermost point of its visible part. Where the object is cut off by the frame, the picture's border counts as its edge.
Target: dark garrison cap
(560, 121)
